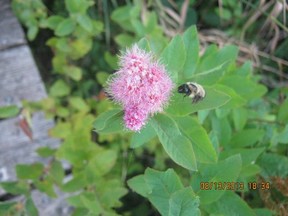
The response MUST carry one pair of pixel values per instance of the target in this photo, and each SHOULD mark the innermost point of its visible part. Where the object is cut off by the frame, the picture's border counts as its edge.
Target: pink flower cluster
(141, 85)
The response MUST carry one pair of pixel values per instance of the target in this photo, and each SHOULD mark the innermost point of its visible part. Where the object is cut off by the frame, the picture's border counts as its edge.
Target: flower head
(135, 117)
(141, 85)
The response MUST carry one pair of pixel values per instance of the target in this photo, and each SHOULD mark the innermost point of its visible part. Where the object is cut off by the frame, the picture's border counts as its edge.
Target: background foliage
(181, 160)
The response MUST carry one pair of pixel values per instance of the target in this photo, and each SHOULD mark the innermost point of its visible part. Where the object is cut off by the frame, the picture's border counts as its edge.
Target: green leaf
(245, 70)
(124, 40)
(211, 76)
(76, 201)
(6, 207)
(174, 57)
(247, 137)
(283, 136)
(162, 185)
(212, 49)
(143, 136)
(32, 32)
(273, 165)
(71, 151)
(184, 203)
(30, 207)
(166, 192)
(222, 129)
(74, 72)
(59, 89)
(191, 43)
(158, 43)
(91, 202)
(222, 112)
(85, 22)
(204, 150)
(65, 27)
(151, 22)
(61, 130)
(73, 5)
(225, 14)
(62, 111)
(202, 115)
(282, 113)
(244, 87)
(79, 104)
(111, 60)
(263, 212)
(240, 116)
(58, 61)
(80, 47)
(144, 44)
(102, 77)
(77, 6)
(46, 151)
(57, 172)
(109, 121)
(97, 27)
(229, 204)
(183, 106)
(138, 25)
(32, 171)
(78, 211)
(20, 187)
(102, 163)
(110, 192)
(76, 183)
(46, 186)
(224, 171)
(214, 140)
(248, 156)
(177, 146)
(9, 111)
(214, 59)
(121, 16)
(139, 185)
(62, 44)
(250, 170)
(53, 21)
(235, 99)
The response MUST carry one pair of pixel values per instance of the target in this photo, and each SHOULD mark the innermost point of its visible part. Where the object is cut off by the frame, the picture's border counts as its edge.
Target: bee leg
(196, 99)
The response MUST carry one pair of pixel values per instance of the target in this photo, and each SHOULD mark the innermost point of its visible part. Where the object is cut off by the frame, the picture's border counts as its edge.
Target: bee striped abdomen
(192, 90)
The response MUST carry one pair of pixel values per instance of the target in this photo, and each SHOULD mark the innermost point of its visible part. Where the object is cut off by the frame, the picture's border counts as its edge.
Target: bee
(192, 90)
(108, 95)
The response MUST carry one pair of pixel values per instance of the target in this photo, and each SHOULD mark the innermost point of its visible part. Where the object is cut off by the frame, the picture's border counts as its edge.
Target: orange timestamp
(259, 185)
(221, 185)
(234, 186)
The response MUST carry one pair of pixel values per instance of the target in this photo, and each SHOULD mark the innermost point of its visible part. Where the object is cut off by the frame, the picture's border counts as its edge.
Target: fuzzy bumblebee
(192, 90)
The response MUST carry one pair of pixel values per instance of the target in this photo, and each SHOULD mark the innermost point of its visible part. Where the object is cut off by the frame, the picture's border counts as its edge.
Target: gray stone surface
(20, 80)
(19, 76)
(16, 147)
(52, 207)
(11, 33)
